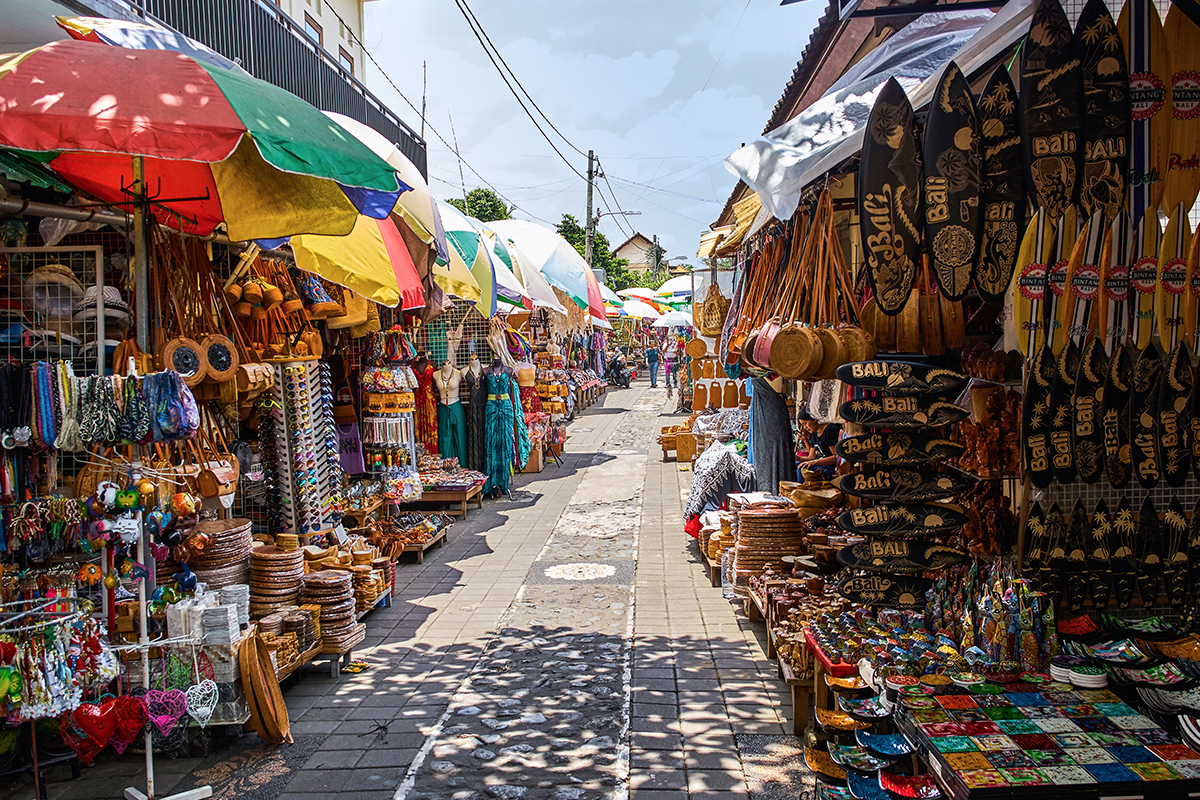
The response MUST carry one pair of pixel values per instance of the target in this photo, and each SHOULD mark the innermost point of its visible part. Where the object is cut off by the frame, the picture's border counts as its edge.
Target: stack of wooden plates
(366, 589)
(300, 623)
(766, 535)
(333, 591)
(274, 579)
(226, 558)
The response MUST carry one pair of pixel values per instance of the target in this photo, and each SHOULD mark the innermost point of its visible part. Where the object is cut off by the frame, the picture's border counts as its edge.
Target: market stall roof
(601, 323)
(467, 245)
(534, 285)
(783, 162)
(372, 260)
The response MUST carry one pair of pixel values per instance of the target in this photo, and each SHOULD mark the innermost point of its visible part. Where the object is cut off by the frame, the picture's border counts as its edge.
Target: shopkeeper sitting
(821, 438)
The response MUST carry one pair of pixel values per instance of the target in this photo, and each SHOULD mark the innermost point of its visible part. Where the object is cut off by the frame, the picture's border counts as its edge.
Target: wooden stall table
(452, 497)
(822, 666)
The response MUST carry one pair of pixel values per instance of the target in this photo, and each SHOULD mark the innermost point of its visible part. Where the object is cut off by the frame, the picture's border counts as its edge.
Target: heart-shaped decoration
(164, 709)
(201, 700)
(131, 720)
(77, 740)
(159, 551)
(97, 722)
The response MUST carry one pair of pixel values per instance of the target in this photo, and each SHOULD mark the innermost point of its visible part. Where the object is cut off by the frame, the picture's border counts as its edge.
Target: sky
(662, 90)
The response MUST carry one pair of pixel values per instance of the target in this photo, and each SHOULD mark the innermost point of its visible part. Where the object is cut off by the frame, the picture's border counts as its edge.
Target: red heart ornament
(131, 720)
(165, 708)
(97, 721)
(81, 743)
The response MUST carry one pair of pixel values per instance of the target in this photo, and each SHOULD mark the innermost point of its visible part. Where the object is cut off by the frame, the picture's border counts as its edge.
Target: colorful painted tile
(1011, 726)
(1107, 739)
(994, 742)
(982, 779)
(1071, 740)
(1042, 712)
(1033, 741)
(1024, 699)
(1112, 773)
(1050, 757)
(1174, 752)
(1188, 769)
(956, 701)
(1131, 755)
(1134, 722)
(960, 762)
(1007, 759)
(1062, 698)
(1024, 776)
(992, 700)
(942, 728)
(1084, 710)
(1091, 755)
(1115, 709)
(1155, 771)
(968, 715)
(1156, 736)
(1057, 725)
(1098, 696)
(929, 715)
(953, 744)
(1004, 712)
(1097, 724)
(987, 728)
(1067, 776)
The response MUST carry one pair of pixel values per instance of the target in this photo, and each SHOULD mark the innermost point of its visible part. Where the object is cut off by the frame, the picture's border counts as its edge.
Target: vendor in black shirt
(821, 438)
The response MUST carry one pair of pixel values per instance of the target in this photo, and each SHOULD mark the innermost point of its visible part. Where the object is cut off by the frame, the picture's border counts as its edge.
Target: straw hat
(53, 290)
(114, 306)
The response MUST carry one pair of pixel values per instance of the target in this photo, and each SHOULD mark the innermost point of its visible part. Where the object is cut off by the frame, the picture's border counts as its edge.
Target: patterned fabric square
(1004, 713)
(1063, 698)
(965, 761)
(1112, 773)
(1188, 769)
(956, 701)
(1098, 696)
(1134, 722)
(942, 728)
(992, 700)
(1007, 759)
(1033, 741)
(1174, 752)
(987, 728)
(968, 715)
(1115, 709)
(1084, 710)
(1072, 740)
(1042, 712)
(1156, 736)
(1131, 755)
(982, 779)
(1106, 739)
(1057, 725)
(953, 744)
(1027, 699)
(1097, 724)
(929, 715)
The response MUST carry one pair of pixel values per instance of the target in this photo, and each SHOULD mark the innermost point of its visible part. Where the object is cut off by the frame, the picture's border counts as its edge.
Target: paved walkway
(565, 644)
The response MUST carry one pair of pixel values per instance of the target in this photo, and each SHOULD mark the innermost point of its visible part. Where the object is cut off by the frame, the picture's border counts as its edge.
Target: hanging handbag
(219, 470)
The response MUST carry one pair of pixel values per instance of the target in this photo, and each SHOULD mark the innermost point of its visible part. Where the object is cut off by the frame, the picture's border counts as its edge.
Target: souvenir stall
(985, 580)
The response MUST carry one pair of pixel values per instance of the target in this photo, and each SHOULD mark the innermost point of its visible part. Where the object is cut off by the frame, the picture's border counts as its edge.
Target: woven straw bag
(709, 315)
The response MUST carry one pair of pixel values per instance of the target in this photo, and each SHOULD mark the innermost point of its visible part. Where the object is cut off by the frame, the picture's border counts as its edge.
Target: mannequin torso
(447, 380)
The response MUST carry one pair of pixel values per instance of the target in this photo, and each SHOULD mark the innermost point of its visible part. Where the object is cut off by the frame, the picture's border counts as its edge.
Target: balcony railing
(272, 47)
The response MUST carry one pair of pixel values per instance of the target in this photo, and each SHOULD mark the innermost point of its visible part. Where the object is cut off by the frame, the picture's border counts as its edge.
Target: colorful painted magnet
(1024, 776)
(1112, 773)
(1068, 775)
(982, 779)
(1155, 771)
(1091, 755)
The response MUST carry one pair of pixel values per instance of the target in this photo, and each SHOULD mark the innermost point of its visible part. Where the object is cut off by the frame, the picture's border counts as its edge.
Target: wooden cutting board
(901, 377)
(1003, 175)
(1029, 288)
(909, 521)
(1106, 111)
(888, 591)
(1115, 260)
(952, 158)
(1088, 432)
(889, 199)
(899, 557)
(1143, 278)
(1144, 423)
(902, 484)
(1051, 108)
(1149, 78)
(1182, 178)
(1173, 252)
(897, 448)
(1118, 391)
(1174, 416)
(901, 412)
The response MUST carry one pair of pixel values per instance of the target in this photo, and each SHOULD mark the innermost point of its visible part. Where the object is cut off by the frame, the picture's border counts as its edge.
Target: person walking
(652, 361)
(670, 364)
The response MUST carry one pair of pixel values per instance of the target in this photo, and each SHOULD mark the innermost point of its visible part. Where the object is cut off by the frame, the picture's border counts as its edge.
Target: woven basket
(709, 315)
(796, 351)
(252, 292)
(834, 353)
(186, 357)
(858, 343)
(221, 357)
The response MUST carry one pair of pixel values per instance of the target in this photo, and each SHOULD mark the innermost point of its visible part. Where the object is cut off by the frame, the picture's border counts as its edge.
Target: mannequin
(452, 422)
(425, 417)
(476, 404)
(475, 367)
(506, 442)
(527, 386)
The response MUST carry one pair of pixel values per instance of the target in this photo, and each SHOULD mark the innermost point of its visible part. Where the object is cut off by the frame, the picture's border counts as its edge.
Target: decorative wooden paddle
(1124, 565)
(1144, 420)
(1099, 554)
(1106, 104)
(1149, 76)
(1062, 386)
(1150, 552)
(1174, 249)
(1143, 278)
(1118, 392)
(1029, 289)
(907, 521)
(1175, 553)
(1003, 175)
(902, 484)
(1054, 307)
(1174, 407)
(1182, 178)
(1115, 306)
(1078, 533)
(1083, 296)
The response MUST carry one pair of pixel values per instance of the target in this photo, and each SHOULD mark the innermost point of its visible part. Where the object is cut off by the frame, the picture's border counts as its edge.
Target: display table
(437, 540)
(453, 497)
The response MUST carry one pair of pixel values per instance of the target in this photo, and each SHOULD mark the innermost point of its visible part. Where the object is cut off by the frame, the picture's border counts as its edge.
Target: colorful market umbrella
(536, 289)
(218, 146)
(636, 308)
(609, 296)
(559, 262)
(372, 260)
(674, 319)
(467, 243)
(141, 36)
(675, 289)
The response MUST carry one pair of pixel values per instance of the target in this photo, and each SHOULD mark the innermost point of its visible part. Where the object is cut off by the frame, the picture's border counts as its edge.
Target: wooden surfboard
(1099, 555)
(1124, 565)
(1174, 416)
(1036, 549)
(1082, 293)
(952, 158)
(897, 448)
(1175, 553)
(901, 412)
(1080, 288)
(899, 556)
(1088, 433)
(1036, 418)
(1029, 288)
(1182, 178)
(889, 199)
(902, 484)
(1051, 107)
(888, 591)
(1144, 423)
(1079, 528)
(1193, 542)
(907, 521)
(1054, 307)
(1106, 111)
(1051, 579)
(1173, 254)
(1194, 420)
(901, 377)
(1003, 175)
(1115, 302)
(1118, 391)
(1149, 552)
(1143, 278)
(1191, 298)
(1149, 78)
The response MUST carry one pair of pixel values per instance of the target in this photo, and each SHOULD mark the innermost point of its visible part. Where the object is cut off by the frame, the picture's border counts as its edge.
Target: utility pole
(657, 264)
(590, 225)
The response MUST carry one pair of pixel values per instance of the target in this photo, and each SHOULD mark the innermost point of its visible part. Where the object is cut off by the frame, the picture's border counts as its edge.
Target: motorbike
(618, 373)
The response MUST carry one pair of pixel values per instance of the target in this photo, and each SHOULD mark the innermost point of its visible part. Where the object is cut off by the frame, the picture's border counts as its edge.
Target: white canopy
(674, 319)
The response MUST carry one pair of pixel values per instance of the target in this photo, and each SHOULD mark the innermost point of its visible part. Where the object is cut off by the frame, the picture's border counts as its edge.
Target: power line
(667, 191)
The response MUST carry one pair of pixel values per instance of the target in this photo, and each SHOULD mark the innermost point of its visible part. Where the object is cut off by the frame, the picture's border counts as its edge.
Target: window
(346, 60)
(313, 29)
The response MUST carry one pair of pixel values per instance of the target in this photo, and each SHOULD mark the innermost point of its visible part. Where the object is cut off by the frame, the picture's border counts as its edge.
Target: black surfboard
(1062, 413)
(899, 557)
(1089, 399)
(1050, 580)
(1174, 416)
(1144, 425)
(1105, 78)
(1003, 176)
(1175, 553)
(1193, 545)
(1194, 420)
(1124, 560)
(1036, 544)
(897, 448)
(901, 377)
(1079, 529)
(901, 412)
(903, 521)
(1036, 418)
(902, 484)
(1118, 390)
(1149, 552)
(888, 591)
(1051, 106)
(1099, 556)
(889, 198)
(953, 157)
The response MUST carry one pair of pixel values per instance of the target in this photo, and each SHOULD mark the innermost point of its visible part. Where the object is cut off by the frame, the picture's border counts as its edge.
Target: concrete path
(565, 644)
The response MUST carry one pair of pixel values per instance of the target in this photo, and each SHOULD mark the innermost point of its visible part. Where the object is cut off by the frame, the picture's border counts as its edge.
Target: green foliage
(482, 204)
(619, 277)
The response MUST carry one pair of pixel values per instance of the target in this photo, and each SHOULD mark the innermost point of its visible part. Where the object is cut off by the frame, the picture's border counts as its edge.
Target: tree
(482, 204)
